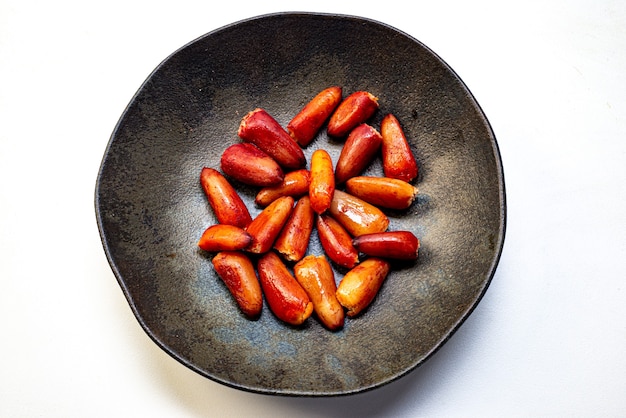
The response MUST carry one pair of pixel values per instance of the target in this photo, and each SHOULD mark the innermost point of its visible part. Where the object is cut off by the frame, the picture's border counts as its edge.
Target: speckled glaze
(151, 209)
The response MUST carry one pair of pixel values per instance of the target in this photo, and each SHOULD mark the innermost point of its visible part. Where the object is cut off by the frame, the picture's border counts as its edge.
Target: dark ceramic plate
(151, 209)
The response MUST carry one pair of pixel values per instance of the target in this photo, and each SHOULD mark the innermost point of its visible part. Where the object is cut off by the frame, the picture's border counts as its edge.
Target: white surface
(549, 337)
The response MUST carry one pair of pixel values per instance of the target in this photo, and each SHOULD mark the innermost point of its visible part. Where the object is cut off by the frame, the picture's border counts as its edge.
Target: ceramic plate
(151, 209)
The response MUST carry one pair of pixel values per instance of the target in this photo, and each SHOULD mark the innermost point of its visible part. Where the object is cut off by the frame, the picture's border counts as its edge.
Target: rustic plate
(151, 210)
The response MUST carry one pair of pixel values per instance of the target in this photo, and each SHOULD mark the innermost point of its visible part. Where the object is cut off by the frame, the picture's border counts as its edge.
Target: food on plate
(248, 164)
(358, 152)
(293, 240)
(356, 215)
(307, 123)
(285, 296)
(322, 186)
(295, 184)
(359, 286)
(261, 129)
(226, 203)
(339, 205)
(336, 241)
(264, 229)
(402, 245)
(355, 109)
(383, 192)
(222, 237)
(398, 159)
(316, 277)
(237, 272)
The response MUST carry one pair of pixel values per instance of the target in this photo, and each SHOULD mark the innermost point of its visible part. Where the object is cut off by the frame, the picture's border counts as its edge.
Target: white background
(549, 337)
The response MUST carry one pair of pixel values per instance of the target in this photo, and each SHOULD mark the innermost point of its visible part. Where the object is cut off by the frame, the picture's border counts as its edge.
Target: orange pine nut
(307, 123)
(356, 215)
(316, 276)
(398, 159)
(322, 185)
(246, 163)
(222, 237)
(352, 111)
(382, 191)
(336, 242)
(293, 240)
(261, 129)
(237, 272)
(401, 245)
(359, 286)
(264, 229)
(295, 184)
(285, 296)
(358, 152)
(226, 203)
